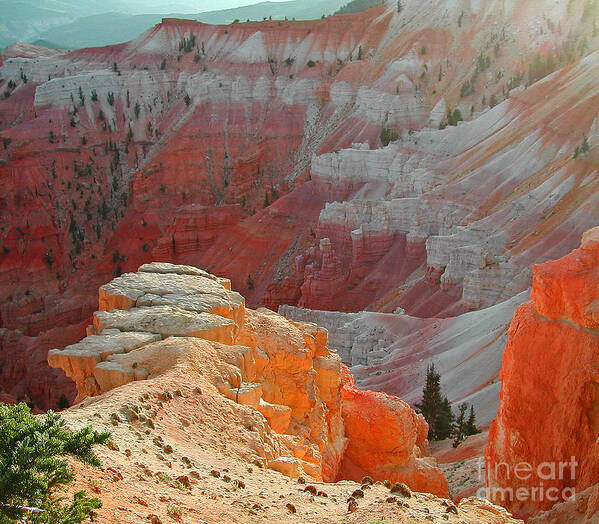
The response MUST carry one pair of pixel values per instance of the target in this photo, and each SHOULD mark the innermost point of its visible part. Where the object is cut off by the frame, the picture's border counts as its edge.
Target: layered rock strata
(315, 421)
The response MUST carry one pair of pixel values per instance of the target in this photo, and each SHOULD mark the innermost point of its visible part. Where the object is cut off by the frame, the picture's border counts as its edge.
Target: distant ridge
(61, 29)
(357, 5)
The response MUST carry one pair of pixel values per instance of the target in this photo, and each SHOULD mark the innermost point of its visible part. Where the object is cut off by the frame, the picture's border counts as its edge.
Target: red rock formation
(548, 416)
(385, 440)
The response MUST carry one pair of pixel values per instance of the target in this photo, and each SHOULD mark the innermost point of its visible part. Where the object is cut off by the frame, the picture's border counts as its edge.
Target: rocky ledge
(179, 321)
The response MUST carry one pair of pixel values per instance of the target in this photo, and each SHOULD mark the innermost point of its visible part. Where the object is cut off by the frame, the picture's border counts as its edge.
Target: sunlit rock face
(549, 375)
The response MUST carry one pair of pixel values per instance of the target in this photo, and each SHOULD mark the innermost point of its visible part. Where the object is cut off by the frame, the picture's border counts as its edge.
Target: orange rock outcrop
(315, 421)
(394, 435)
(544, 440)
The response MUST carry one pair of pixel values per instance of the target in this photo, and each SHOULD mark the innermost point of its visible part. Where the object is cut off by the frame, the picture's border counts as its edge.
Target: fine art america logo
(549, 481)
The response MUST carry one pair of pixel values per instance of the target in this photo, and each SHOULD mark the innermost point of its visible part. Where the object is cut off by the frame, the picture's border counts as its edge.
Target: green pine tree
(445, 422)
(460, 426)
(436, 408)
(431, 399)
(585, 145)
(34, 470)
(471, 428)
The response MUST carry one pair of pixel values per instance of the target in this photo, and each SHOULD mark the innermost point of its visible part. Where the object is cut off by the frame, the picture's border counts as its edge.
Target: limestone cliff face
(315, 421)
(548, 409)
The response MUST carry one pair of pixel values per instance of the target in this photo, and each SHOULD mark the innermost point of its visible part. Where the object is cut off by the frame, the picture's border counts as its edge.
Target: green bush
(34, 470)
(388, 136)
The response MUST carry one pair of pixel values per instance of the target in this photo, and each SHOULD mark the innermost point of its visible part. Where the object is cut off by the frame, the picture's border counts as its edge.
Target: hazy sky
(211, 5)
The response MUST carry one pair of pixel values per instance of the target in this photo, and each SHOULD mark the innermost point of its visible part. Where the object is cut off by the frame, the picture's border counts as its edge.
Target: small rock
(311, 489)
(301, 480)
(184, 479)
(140, 501)
(116, 475)
(387, 484)
(358, 494)
(168, 449)
(367, 480)
(322, 494)
(226, 478)
(154, 519)
(401, 489)
(239, 483)
(391, 500)
(215, 473)
(352, 506)
(291, 508)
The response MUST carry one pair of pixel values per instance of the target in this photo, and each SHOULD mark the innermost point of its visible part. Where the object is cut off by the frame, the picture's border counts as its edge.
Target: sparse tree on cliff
(431, 398)
(464, 427)
(435, 408)
(34, 470)
(444, 423)
(471, 428)
(460, 426)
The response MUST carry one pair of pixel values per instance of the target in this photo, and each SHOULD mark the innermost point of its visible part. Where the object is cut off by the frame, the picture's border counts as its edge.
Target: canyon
(386, 189)
(289, 115)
